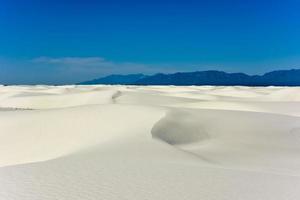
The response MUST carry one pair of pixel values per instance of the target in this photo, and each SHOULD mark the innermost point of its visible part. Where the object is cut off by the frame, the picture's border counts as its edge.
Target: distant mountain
(281, 77)
(197, 78)
(211, 77)
(116, 79)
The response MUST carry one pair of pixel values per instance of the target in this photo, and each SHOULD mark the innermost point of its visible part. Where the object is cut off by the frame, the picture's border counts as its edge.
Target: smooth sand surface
(155, 142)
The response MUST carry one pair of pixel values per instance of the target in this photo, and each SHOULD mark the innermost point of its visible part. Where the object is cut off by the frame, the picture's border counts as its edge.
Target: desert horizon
(149, 100)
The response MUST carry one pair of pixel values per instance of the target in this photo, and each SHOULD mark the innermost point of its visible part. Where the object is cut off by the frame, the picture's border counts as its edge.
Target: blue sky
(67, 41)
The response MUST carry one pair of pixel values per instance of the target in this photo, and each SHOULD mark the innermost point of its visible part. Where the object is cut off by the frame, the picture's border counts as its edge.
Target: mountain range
(210, 77)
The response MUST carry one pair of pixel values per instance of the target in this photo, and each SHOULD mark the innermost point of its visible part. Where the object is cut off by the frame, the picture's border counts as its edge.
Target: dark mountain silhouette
(211, 77)
(116, 79)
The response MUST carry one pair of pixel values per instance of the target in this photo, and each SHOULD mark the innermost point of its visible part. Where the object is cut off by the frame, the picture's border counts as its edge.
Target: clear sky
(67, 41)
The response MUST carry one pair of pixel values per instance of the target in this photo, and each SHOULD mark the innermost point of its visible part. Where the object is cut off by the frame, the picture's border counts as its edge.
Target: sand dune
(158, 142)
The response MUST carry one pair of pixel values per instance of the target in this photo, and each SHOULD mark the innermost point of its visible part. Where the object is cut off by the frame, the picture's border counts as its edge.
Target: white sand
(160, 142)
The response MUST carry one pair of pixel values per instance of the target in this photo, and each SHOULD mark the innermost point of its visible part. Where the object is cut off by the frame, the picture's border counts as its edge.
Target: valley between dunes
(149, 142)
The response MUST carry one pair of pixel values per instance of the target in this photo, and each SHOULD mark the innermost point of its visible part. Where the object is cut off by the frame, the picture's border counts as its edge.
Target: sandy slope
(160, 142)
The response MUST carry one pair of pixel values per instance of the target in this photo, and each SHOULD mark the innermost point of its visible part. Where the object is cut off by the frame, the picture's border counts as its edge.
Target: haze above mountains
(211, 77)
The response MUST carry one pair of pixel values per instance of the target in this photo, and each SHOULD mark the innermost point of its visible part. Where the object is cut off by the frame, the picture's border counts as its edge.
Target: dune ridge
(155, 142)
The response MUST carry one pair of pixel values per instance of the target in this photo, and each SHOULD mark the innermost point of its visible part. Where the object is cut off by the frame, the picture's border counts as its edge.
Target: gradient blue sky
(66, 41)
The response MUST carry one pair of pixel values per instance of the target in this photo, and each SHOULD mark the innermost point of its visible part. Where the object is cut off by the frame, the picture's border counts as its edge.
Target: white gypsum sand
(155, 142)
